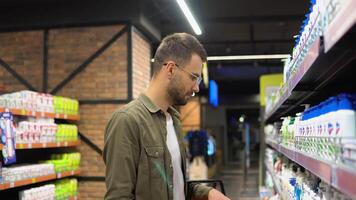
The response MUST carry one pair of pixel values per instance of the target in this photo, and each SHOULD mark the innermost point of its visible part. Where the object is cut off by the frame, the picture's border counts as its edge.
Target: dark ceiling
(230, 27)
(236, 27)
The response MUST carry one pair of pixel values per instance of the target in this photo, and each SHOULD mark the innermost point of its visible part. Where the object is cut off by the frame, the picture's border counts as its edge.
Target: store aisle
(238, 186)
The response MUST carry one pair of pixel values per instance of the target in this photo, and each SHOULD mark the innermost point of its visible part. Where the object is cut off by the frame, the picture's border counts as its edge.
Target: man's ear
(170, 69)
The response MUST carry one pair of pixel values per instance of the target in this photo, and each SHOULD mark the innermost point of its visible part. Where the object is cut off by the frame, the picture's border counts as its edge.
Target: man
(144, 152)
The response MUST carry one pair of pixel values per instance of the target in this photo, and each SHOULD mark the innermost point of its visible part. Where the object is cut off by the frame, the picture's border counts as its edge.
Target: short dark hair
(178, 47)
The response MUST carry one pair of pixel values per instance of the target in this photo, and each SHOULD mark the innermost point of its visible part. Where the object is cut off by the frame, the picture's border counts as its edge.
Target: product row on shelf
(17, 133)
(325, 131)
(292, 181)
(39, 102)
(61, 190)
(58, 164)
(328, 19)
(44, 131)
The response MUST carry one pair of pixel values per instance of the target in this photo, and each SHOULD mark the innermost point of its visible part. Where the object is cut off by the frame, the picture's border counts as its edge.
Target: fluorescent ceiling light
(189, 16)
(249, 57)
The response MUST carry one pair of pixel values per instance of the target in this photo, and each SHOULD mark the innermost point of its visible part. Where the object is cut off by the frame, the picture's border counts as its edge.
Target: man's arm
(121, 155)
(202, 191)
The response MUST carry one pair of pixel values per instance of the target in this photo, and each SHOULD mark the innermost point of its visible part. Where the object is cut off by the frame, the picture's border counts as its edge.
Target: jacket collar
(153, 108)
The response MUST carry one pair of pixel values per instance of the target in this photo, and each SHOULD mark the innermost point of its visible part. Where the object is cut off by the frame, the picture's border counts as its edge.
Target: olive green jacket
(138, 163)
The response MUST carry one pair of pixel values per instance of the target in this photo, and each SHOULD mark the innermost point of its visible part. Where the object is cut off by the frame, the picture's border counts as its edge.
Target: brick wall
(190, 115)
(105, 78)
(23, 51)
(141, 53)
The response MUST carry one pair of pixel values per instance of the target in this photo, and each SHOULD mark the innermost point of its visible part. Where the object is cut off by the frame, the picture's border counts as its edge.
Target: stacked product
(322, 13)
(273, 132)
(61, 190)
(66, 188)
(45, 130)
(35, 131)
(64, 105)
(310, 31)
(65, 162)
(66, 132)
(7, 138)
(46, 192)
(328, 130)
(39, 102)
(17, 173)
(297, 183)
(288, 130)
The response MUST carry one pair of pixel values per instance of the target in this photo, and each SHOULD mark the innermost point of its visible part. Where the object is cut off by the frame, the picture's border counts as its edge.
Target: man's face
(184, 84)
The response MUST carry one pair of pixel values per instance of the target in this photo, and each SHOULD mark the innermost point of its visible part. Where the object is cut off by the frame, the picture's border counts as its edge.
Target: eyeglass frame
(194, 77)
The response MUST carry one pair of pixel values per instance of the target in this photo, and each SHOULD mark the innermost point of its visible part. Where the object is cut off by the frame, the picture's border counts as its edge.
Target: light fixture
(183, 6)
(249, 57)
(242, 119)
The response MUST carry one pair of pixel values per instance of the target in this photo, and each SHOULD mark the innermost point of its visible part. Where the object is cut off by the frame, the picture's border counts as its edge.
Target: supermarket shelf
(341, 24)
(342, 180)
(68, 173)
(24, 112)
(338, 177)
(46, 145)
(5, 186)
(320, 76)
(293, 82)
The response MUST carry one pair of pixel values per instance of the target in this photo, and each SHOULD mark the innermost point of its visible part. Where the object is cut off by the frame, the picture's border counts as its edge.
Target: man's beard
(175, 94)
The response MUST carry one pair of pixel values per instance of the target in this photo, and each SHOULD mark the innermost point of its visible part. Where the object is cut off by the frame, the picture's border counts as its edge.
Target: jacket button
(171, 185)
(156, 153)
(170, 165)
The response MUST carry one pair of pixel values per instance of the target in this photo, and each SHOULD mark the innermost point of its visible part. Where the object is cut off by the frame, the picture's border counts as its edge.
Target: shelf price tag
(33, 180)
(72, 172)
(75, 198)
(58, 144)
(65, 116)
(42, 114)
(65, 144)
(59, 175)
(57, 115)
(21, 146)
(23, 112)
(12, 184)
(33, 113)
(29, 146)
(44, 145)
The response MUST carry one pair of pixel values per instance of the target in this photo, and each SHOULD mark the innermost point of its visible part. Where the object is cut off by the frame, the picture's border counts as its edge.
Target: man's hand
(215, 194)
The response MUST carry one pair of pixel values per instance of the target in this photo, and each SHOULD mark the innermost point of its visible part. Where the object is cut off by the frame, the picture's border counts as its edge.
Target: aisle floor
(238, 186)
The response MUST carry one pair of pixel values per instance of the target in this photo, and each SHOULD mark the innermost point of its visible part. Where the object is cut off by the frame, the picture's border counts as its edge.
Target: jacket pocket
(155, 156)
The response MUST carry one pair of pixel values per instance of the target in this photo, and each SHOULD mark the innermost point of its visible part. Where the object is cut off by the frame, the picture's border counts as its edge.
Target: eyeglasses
(192, 76)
